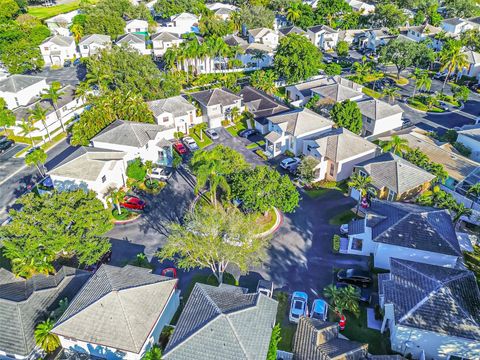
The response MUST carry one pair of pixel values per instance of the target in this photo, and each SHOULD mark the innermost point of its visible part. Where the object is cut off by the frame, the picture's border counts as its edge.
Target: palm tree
(209, 172)
(37, 158)
(361, 184)
(349, 300)
(293, 12)
(199, 129)
(235, 114)
(53, 94)
(474, 191)
(452, 58)
(149, 167)
(391, 92)
(116, 196)
(258, 56)
(362, 70)
(82, 90)
(77, 32)
(40, 114)
(154, 353)
(44, 336)
(331, 292)
(27, 128)
(460, 210)
(424, 81)
(395, 145)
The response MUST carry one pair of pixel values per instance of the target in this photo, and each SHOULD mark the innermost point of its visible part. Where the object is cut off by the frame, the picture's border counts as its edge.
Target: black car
(247, 133)
(363, 294)
(354, 276)
(67, 63)
(3, 138)
(5, 145)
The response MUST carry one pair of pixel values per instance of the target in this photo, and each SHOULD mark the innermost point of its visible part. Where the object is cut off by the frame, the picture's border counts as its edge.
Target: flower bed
(124, 215)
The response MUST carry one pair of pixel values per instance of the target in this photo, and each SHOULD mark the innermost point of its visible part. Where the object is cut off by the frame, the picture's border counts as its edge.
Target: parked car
(298, 306)
(76, 62)
(363, 294)
(439, 76)
(133, 203)
(212, 134)
(170, 272)
(161, 173)
(289, 163)
(247, 133)
(443, 106)
(190, 143)
(3, 138)
(344, 229)
(265, 287)
(5, 145)
(67, 63)
(180, 148)
(354, 276)
(319, 310)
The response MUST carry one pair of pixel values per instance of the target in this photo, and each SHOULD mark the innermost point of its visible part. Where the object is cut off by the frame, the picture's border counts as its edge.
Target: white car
(212, 134)
(344, 229)
(190, 143)
(161, 173)
(298, 306)
(290, 163)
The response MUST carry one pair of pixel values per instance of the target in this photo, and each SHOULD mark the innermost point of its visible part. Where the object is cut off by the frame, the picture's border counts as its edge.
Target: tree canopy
(347, 114)
(256, 16)
(167, 8)
(297, 58)
(54, 225)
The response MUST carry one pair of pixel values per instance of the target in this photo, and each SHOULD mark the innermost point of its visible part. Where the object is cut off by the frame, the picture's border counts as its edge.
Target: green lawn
(255, 145)
(321, 188)
(287, 329)
(265, 223)
(206, 140)
(342, 218)
(372, 93)
(416, 104)
(43, 13)
(235, 129)
(316, 193)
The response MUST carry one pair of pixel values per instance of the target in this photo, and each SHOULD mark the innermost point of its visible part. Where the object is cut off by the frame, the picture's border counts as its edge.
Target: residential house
(393, 178)
(134, 41)
(26, 303)
(405, 231)
(90, 168)
(379, 117)
(217, 105)
(469, 136)
(337, 152)
(375, 38)
(320, 340)
(175, 112)
(60, 24)
(323, 37)
(457, 26)
(352, 37)
(263, 36)
(361, 7)
(119, 313)
(250, 55)
(181, 24)
(136, 26)
(331, 94)
(223, 323)
(473, 69)
(292, 30)
(261, 106)
(163, 41)
(222, 11)
(148, 142)
(92, 44)
(432, 312)
(19, 90)
(57, 49)
(422, 32)
(68, 108)
(289, 130)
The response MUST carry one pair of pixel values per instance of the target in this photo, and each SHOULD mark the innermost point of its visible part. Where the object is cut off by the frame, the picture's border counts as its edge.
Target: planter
(125, 217)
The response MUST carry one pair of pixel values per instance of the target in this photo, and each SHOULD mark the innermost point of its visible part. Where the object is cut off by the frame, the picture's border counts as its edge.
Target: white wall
(181, 123)
(23, 97)
(472, 144)
(368, 246)
(160, 47)
(65, 53)
(92, 49)
(345, 167)
(136, 26)
(383, 125)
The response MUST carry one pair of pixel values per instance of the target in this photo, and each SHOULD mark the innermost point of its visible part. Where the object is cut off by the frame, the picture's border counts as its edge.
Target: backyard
(43, 12)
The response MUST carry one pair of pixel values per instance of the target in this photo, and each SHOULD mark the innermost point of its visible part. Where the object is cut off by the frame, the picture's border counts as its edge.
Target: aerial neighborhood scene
(240, 179)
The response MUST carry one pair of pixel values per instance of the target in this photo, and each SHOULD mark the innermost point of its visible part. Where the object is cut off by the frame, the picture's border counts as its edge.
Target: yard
(205, 139)
(342, 218)
(43, 12)
(321, 188)
(372, 93)
(235, 129)
(287, 328)
(265, 222)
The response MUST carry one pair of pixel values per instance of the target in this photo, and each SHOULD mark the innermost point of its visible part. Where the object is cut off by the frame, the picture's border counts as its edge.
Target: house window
(137, 30)
(104, 178)
(45, 48)
(85, 47)
(369, 121)
(146, 146)
(362, 173)
(17, 102)
(165, 119)
(309, 148)
(357, 244)
(332, 169)
(391, 195)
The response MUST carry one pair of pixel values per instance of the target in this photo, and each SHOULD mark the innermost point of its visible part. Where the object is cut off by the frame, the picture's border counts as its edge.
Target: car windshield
(298, 305)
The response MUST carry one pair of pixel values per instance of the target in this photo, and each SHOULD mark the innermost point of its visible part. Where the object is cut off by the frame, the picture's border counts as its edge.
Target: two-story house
(404, 231)
(19, 90)
(375, 38)
(57, 49)
(183, 23)
(175, 111)
(287, 131)
(92, 44)
(323, 37)
(162, 41)
(221, 10)
(473, 68)
(379, 117)
(457, 26)
(60, 24)
(469, 136)
(361, 7)
(422, 32)
(136, 26)
(217, 105)
(134, 41)
(337, 93)
(263, 36)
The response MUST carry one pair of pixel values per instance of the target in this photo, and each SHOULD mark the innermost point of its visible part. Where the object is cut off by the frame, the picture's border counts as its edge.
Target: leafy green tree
(422, 80)
(460, 210)
(461, 8)
(306, 169)
(361, 184)
(362, 69)
(399, 52)
(136, 170)
(44, 337)
(264, 80)
(166, 8)
(391, 93)
(334, 13)
(307, 18)
(37, 158)
(347, 114)
(297, 58)
(395, 145)
(416, 157)
(342, 48)
(343, 299)
(388, 15)
(26, 128)
(154, 353)
(332, 69)
(214, 238)
(256, 16)
(436, 197)
(460, 92)
(40, 114)
(55, 225)
(471, 39)
(211, 25)
(274, 340)
(8, 10)
(451, 58)
(7, 117)
(21, 56)
(293, 12)
(53, 94)
(116, 196)
(262, 188)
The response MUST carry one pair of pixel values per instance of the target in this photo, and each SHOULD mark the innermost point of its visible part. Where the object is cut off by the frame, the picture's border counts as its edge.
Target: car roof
(319, 305)
(300, 294)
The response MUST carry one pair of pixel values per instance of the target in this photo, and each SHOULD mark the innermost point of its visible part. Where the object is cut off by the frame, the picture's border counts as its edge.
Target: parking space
(8, 162)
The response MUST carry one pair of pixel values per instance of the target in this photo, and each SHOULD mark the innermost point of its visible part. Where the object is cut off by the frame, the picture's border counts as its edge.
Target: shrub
(289, 153)
(378, 312)
(274, 340)
(261, 153)
(136, 170)
(177, 160)
(225, 123)
(462, 149)
(336, 243)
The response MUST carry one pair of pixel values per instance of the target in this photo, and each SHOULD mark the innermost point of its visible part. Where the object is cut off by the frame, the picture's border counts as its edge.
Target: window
(391, 195)
(45, 48)
(146, 146)
(85, 47)
(16, 101)
(332, 169)
(357, 244)
(369, 121)
(165, 119)
(309, 148)
(104, 178)
(362, 173)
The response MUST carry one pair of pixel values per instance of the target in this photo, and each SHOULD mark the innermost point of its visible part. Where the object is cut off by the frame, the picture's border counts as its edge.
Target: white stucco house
(361, 7)
(432, 312)
(119, 313)
(60, 24)
(135, 42)
(221, 10)
(175, 111)
(136, 26)
(287, 131)
(473, 69)
(375, 38)
(149, 142)
(379, 117)
(469, 135)
(180, 24)
(263, 36)
(405, 231)
(57, 49)
(92, 44)
(216, 105)
(337, 152)
(161, 42)
(19, 90)
(422, 32)
(457, 26)
(323, 37)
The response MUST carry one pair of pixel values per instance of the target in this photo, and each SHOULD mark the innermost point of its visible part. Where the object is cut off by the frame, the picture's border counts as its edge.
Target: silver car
(190, 143)
(212, 134)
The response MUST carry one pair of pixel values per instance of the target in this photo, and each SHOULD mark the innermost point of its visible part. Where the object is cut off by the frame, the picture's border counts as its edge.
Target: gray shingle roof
(336, 92)
(318, 340)
(25, 303)
(318, 28)
(131, 38)
(117, 307)
(223, 323)
(17, 82)
(413, 226)
(301, 121)
(377, 109)
(95, 39)
(215, 97)
(260, 104)
(128, 133)
(259, 32)
(291, 30)
(176, 105)
(165, 36)
(393, 172)
(434, 298)
(60, 40)
(471, 131)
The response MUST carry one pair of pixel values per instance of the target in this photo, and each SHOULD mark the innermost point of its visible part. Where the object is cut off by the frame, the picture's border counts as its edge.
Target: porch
(273, 144)
(165, 153)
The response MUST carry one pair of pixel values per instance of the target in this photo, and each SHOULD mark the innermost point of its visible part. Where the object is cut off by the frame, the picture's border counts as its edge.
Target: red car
(133, 203)
(170, 272)
(180, 148)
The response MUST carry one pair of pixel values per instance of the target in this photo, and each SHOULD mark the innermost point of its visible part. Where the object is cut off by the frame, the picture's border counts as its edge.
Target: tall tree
(44, 337)
(422, 80)
(388, 15)
(7, 117)
(391, 93)
(37, 158)
(256, 16)
(264, 80)
(116, 196)
(402, 53)
(395, 145)
(53, 94)
(214, 238)
(452, 58)
(293, 12)
(361, 184)
(40, 114)
(347, 114)
(26, 129)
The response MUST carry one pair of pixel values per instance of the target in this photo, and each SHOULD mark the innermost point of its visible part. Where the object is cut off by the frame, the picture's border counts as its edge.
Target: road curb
(434, 113)
(121, 222)
(275, 227)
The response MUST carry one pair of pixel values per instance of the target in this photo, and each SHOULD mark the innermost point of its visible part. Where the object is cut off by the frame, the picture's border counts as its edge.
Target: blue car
(319, 310)
(298, 306)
